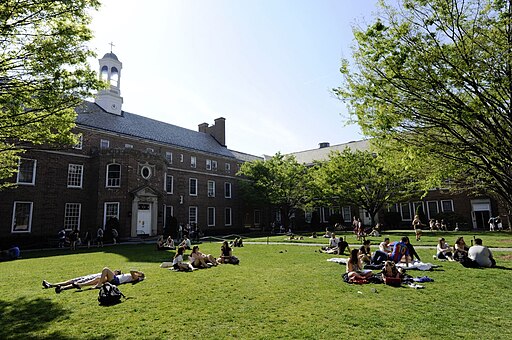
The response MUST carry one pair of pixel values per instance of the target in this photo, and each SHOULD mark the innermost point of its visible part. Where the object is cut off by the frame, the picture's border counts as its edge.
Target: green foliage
(357, 178)
(44, 73)
(280, 180)
(259, 299)
(433, 79)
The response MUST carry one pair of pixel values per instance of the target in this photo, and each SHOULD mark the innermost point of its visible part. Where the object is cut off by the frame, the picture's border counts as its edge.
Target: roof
(321, 154)
(245, 157)
(110, 55)
(93, 116)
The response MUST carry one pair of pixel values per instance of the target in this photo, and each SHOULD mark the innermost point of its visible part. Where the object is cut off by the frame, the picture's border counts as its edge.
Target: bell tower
(110, 99)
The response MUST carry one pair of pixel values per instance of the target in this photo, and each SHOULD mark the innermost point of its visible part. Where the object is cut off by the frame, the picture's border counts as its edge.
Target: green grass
(501, 239)
(278, 291)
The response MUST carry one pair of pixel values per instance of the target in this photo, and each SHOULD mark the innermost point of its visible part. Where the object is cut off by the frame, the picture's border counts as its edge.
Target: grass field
(277, 291)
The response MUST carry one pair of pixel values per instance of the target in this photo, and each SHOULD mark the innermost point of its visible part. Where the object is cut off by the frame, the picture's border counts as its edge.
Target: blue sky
(267, 66)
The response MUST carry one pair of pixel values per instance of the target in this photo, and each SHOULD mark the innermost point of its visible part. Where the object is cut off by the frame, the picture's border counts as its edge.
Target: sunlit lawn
(278, 291)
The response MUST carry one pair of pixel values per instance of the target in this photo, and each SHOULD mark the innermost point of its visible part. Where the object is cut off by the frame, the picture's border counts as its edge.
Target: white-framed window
(192, 215)
(208, 164)
(111, 210)
(393, 208)
(347, 214)
(150, 150)
(72, 216)
(228, 217)
(113, 175)
(128, 146)
(75, 175)
(168, 156)
(145, 172)
(193, 161)
(182, 159)
(192, 187)
(22, 217)
(211, 188)
(257, 217)
(80, 142)
(26, 171)
(104, 144)
(211, 216)
(416, 205)
(432, 209)
(169, 183)
(405, 210)
(214, 165)
(227, 167)
(227, 190)
(447, 205)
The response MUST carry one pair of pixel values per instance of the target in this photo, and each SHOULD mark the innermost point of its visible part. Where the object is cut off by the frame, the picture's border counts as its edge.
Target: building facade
(147, 176)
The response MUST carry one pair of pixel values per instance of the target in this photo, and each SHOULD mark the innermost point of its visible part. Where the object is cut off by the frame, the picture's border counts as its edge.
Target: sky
(267, 66)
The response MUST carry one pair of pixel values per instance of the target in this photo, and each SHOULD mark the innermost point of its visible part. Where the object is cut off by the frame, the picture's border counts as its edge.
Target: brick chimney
(217, 130)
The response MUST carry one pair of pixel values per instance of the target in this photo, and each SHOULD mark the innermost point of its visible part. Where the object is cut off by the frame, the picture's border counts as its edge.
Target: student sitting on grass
(444, 251)
(200, 260)
(481, 255)
(355, 269)
(226, 254)
(461, 249)
(178, 264)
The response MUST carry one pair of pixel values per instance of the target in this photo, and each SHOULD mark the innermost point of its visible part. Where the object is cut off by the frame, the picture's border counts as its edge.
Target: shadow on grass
(133, 252)
(25, 318)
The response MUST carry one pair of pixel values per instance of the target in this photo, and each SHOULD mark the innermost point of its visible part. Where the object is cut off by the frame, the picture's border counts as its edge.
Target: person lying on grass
(68, 284)
(355, 269)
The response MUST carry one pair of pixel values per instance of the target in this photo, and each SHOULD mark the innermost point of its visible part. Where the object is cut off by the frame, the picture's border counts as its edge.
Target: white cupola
(110, 99)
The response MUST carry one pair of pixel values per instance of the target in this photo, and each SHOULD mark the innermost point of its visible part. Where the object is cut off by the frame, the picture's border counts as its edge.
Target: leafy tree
(44, 73)
(433, 79)
(358, 178)
(280, 180)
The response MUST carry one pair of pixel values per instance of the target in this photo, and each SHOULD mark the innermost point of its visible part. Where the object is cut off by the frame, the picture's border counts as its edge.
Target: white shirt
(177, 260)
(385, 247)
(333, 242)
(481, 255)
(124, 278)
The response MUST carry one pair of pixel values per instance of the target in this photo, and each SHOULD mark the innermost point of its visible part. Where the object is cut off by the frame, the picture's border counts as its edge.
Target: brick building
(147, 174)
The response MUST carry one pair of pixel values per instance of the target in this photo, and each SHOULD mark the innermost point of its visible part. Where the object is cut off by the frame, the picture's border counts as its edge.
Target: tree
(360, 179)
(280, 180)
(44, 73)
(433, 79)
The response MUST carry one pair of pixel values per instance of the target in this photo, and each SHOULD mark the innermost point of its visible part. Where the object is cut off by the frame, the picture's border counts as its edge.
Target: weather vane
(111, 45)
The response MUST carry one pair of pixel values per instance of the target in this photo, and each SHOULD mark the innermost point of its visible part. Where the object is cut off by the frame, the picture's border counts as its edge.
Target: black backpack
(109, 294)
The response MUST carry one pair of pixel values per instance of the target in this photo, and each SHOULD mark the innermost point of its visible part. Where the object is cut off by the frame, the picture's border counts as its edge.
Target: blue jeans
(379, 257)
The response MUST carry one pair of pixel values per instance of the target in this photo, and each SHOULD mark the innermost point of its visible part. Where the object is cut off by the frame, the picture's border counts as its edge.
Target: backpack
(109, 294)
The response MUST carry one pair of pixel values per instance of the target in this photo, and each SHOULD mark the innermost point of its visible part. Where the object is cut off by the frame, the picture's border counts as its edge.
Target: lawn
(277, 291)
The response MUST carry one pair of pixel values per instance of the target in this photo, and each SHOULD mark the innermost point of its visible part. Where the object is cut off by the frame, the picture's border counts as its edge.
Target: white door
(144, 219)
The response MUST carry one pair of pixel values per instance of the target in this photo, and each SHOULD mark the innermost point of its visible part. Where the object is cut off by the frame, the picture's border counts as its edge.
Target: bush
(452, 219)
(391, 219)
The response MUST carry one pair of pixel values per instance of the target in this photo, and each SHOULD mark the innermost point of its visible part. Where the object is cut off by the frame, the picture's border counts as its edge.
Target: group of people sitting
(475, 256)
(199, 260)
(115, 277)
(336, 245)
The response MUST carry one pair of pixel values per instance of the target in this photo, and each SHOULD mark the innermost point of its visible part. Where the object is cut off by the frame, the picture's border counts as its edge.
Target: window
(104, 144)
(22, 217)
(168, 213)
(433, 209)
(150, 150)
(211, 188)
(214, 165)
(227, 190)
(181, 158)
(416, 206)
(26, 171)
(75, 175)
(405, 208)
(145, 172)
(192, 215)
(447, 206)
(128, 146)
(192, 187)
(72, 216)
(227, 167)
(211, 216)
(227, 217)
(257, 217)
(168, 183)
(347, 216)
(193, 161)
(168, 156)
(393, 208)
(113, 175)
(79, 143)
(111, 211)
(208, 164)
